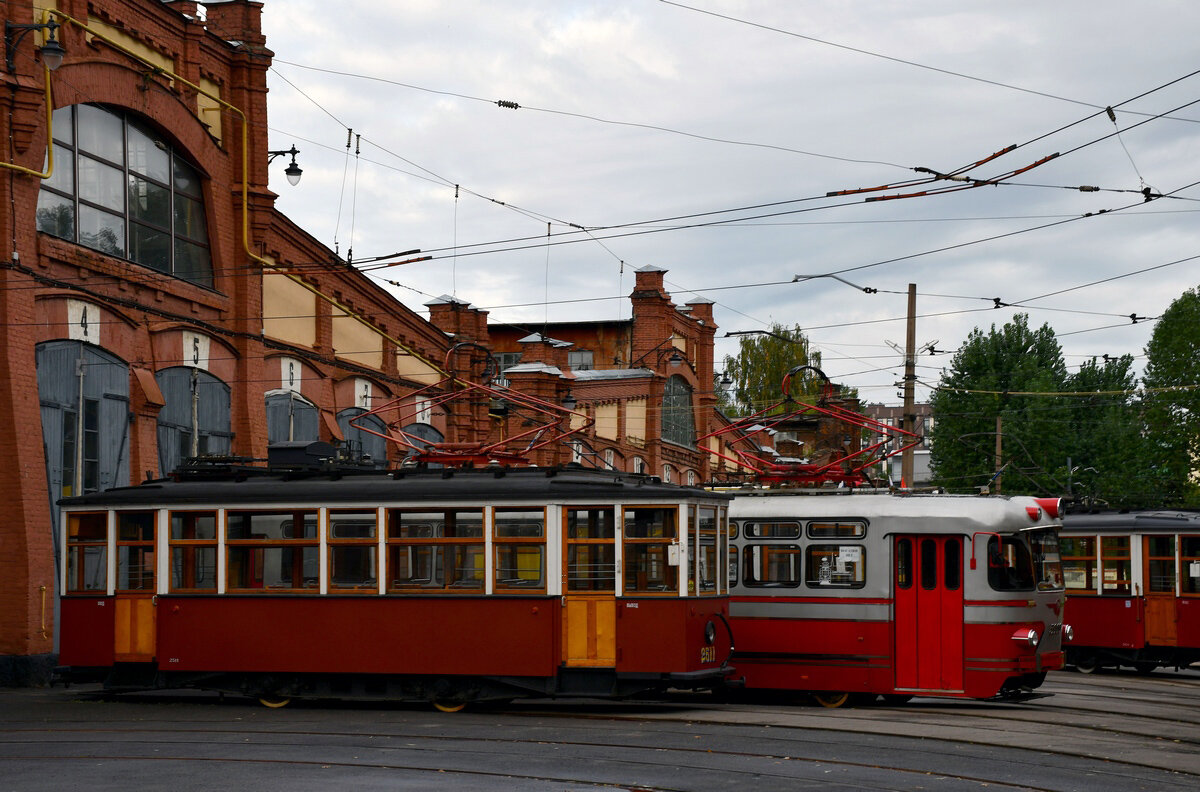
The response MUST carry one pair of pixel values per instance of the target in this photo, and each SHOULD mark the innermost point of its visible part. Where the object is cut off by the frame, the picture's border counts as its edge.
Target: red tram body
(858, 595)
(1133, 589)
(448, 585)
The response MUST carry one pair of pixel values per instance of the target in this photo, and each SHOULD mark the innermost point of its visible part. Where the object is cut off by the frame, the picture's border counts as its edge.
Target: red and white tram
(849, 595)
(1133, 589)
(444, 585)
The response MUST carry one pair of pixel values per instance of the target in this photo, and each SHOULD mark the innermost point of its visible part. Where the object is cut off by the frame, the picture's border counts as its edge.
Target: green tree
(1101, 434)
(990, 378)
(758, 369)
(1172, 404)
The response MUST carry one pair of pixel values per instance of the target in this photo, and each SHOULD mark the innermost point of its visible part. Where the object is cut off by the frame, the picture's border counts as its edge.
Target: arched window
(119, 187)
(290, 417)
(678, 425)
(363, 443)
(194, 420)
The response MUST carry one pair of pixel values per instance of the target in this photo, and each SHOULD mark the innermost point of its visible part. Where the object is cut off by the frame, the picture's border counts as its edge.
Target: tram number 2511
(708, 654)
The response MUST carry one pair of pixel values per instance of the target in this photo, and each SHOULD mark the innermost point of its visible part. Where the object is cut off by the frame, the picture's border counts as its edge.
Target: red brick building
(646, 383)
(153, 304)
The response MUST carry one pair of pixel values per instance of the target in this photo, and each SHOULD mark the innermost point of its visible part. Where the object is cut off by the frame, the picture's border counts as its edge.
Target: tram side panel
(822, 644)
(669, 635)
(86, 628)
(1100, 621)
(410, 635)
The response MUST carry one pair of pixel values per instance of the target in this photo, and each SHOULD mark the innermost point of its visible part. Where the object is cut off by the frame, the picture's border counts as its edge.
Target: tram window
(353, 551)
(649, 534)
(772, 530)
(135, 551)
(1047, 563)
(519, 538)
(87, 552)
(1189, 552)
(953, 563)
(1160, 564)
(193, 544)
(272, 551)
(904, 564)
(1010, 567)
(707, 565)
(771, 566)
(837, 530)
(1079, 567)
(1115, 568)
(928, 564)
(591, 553)
(438, 550)
(733, 566)
(835, 566)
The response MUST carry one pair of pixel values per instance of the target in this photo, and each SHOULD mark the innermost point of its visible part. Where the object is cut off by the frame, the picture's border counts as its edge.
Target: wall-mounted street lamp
(569, 401)
(292, 171)
(51, 51)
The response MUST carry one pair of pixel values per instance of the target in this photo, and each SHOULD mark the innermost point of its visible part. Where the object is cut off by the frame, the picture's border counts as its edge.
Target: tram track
(760, 775)
(652, 746)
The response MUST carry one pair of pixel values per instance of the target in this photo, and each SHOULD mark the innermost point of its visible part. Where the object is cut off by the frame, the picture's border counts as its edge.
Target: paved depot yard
(1099, 732)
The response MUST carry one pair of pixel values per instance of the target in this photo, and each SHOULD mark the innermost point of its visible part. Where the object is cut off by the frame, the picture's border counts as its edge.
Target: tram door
(589, 587)
(134, 618)
(1159, 574)
(927, 583)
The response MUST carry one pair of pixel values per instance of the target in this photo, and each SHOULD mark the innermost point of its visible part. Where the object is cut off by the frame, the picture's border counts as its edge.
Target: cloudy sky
(705, 137)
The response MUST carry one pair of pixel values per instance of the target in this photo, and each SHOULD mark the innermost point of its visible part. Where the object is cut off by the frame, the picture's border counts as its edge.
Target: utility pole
(999, 462)
(910, 377)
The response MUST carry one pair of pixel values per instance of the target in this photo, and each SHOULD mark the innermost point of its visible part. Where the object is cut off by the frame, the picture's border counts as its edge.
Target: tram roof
(311, 488)
(899, 512)
(1134, 521)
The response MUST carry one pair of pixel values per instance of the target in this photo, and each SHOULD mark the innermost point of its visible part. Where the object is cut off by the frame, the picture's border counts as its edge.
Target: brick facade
(143, 317)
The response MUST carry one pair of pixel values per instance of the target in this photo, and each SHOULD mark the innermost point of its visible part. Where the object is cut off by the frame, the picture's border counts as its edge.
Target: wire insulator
(507, 105)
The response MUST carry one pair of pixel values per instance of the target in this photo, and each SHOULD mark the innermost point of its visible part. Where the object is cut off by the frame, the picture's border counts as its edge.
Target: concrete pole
(910, 378)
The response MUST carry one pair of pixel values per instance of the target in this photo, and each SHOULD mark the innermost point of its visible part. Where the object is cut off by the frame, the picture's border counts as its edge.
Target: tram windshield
(1047, 562)
(1025, 561)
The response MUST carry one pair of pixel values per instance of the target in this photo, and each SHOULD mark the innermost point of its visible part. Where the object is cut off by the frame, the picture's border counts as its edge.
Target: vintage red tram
(1133, 588)
(442, 585)
(857, 595)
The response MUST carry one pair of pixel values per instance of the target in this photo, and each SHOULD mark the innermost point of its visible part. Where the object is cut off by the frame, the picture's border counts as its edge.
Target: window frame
(515, 545)
(442, 552)
(335, 545)
(77, 554)
(181, 202)
(190, 548)
(766, 552)
(256, 552)
(815, 553)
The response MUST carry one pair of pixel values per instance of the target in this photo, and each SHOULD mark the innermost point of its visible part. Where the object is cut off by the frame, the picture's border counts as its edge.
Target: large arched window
(362, 443)
(291, 417)
(194, 420)
(678, 424)
(119, 187)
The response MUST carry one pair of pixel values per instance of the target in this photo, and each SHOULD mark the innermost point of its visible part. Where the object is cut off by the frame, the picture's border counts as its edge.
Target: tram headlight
(1068, 633)
(710, 633)
(1027, 636)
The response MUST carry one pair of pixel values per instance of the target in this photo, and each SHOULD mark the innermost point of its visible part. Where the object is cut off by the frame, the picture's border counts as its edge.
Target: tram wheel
(1085, 665)
(1145, 667)
(896, 699)
(831, 699)
(274, 702)
(449, 705)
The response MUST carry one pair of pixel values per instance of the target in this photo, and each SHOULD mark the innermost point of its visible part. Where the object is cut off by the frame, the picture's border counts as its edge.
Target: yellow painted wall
(415, 369)
(353, 340)
(606, 421)
(635, 421)
(208, 110)
(289, 310)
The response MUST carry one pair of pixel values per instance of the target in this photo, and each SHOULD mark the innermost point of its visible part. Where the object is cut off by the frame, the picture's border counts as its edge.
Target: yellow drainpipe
(49, 130)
